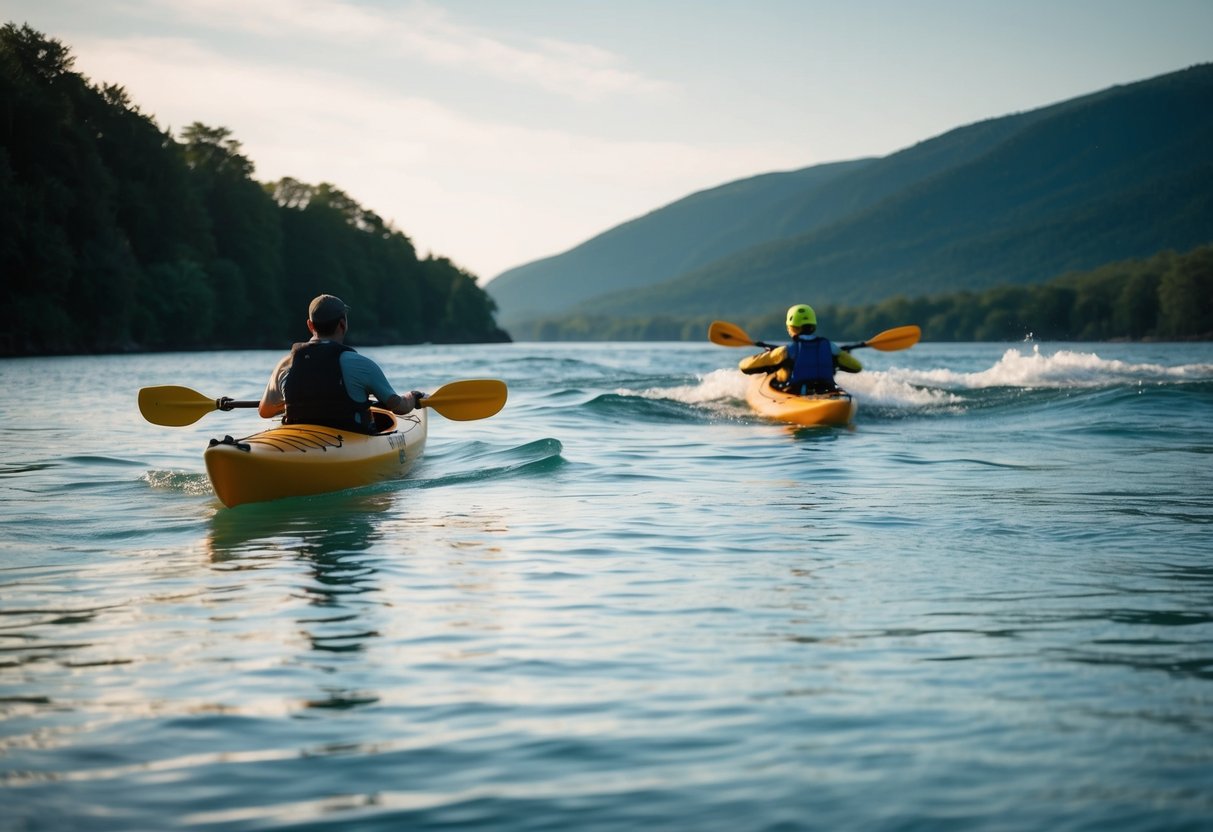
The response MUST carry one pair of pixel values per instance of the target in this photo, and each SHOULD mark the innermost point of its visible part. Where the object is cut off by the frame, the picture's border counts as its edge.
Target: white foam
(1060, 370)
(716, 386)
(891, 389)
(942, 388)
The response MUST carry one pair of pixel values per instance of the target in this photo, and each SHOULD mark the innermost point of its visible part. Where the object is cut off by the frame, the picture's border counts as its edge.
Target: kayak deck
(300, 460)
(825, 409)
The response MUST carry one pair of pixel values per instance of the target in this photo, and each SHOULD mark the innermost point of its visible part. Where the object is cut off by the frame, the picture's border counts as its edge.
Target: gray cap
(326, 309)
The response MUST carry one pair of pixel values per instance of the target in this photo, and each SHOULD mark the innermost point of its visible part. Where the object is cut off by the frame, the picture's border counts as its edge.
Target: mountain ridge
(1015, 199)
(538, 287)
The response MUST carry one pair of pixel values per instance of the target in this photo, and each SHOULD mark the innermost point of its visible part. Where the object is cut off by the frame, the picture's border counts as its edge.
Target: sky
(498, 132)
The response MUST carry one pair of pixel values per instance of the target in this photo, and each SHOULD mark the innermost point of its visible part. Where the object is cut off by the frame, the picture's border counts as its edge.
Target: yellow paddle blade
(463, 401)
(174, 406)
(898, 338)
(728, 335)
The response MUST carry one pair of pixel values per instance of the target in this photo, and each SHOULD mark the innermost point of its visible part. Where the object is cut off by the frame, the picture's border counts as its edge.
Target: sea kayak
(819, 409)
(298, 460)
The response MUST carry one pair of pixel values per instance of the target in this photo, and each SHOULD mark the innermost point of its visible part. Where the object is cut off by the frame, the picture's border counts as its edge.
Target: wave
(717, 394)
(630, 407)
(721, 393)
(887, 389)
(476, 461)
(1063, 369)
(900, 390)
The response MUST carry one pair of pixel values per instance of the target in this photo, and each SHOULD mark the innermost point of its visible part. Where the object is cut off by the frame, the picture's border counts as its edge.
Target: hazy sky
(496, 132)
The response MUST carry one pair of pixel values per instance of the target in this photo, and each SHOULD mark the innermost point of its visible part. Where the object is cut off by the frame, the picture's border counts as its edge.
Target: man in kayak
(324, 382)
(806, 364)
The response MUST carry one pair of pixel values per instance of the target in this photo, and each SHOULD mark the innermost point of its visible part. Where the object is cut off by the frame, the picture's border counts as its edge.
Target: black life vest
(812, 361)
(315, 392)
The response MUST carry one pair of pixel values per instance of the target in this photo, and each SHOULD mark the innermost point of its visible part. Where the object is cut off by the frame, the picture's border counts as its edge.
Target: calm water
(623, 602)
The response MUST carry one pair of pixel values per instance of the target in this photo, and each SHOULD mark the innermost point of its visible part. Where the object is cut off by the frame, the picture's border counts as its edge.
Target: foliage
(1165, 297)
(114, 236)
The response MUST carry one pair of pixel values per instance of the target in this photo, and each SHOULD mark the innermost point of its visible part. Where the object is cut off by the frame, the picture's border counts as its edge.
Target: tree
(1186, 296)
(115, 236)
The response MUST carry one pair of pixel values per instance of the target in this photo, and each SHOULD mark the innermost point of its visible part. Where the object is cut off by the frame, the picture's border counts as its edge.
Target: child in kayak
(806, 364)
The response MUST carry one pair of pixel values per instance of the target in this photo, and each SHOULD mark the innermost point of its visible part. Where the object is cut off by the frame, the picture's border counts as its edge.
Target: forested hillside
(116, 236)
(689, 233)
(1124, 173)
(1165, 297)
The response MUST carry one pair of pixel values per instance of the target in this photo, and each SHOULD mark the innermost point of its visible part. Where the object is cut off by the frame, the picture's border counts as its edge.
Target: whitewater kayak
(819, 409)
(298, 460)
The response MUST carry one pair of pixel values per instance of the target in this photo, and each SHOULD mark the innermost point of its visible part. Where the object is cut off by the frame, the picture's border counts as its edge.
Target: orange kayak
(298, 460)
(818, 409)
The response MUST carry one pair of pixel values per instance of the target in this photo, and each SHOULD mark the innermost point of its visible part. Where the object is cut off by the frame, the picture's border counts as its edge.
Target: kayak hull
(833, 409)
(300, 460)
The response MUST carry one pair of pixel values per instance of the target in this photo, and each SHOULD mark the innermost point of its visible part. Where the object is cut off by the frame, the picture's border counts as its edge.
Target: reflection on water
(312, 526)
(332, 537)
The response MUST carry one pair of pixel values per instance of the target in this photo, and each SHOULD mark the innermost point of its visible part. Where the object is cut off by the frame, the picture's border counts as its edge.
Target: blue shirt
(363, 378)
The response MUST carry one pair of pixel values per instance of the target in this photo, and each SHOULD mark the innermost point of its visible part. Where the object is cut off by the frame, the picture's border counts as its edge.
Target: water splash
(725, 390)
(891, 389)
(1063, 369)
(939, 390)
(720, 392)
(716, 386)
(195, 485)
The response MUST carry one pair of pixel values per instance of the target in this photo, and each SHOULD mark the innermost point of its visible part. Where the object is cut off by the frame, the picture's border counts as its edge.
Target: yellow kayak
(824, 409)
(297, 460)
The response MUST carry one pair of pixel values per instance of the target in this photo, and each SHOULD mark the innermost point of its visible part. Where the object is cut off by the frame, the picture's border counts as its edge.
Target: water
(623, 602)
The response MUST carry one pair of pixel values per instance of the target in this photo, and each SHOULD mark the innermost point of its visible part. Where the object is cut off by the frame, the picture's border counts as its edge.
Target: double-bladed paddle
(898, 338)
(461, 401)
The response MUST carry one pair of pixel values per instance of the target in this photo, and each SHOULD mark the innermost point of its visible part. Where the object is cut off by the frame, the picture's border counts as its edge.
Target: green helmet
(801, 315)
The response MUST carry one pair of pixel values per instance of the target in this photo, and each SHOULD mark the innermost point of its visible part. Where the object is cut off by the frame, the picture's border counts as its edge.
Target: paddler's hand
(417, 396)
(401, 405)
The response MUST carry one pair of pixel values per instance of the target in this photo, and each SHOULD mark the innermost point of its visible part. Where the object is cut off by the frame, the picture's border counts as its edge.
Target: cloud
(419, 31)
(487, 193)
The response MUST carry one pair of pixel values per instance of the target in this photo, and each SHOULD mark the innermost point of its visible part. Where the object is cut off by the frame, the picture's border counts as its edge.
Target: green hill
(660, 245)
(1122, 173)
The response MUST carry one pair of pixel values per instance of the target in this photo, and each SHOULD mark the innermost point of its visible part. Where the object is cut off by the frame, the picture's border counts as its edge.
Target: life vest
(812, 361)
(315, 392)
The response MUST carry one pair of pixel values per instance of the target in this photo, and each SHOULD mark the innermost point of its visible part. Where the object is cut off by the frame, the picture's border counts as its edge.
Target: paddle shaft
(898, 338)
(847, 347)
(224, 403)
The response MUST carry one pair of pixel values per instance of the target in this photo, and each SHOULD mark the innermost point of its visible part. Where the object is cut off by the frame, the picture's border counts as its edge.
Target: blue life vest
(315, 392)
(812, 360)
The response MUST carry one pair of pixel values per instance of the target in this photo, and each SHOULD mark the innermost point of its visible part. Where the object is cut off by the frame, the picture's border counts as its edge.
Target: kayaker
(806, 364)
(324, 382)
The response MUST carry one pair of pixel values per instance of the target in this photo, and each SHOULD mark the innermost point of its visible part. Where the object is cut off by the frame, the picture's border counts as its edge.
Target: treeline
(1165, 297)
(114, 236)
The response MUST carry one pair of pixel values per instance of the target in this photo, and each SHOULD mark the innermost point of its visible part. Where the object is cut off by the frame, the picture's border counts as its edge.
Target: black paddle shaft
(225, 403)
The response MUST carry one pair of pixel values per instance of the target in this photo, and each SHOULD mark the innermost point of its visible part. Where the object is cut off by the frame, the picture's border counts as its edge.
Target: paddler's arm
(273, 403)
(847, 362)
(366, 377)
(402, 405)
(764, 362)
